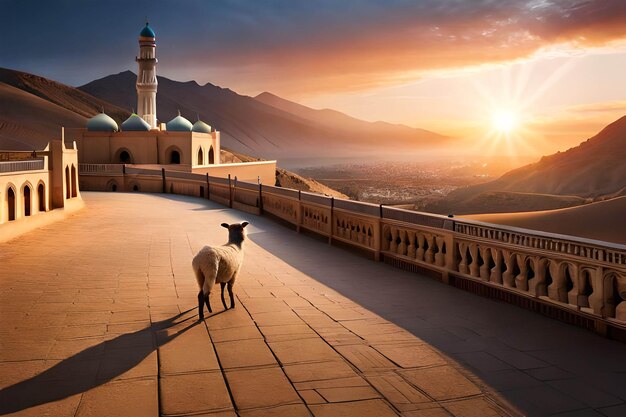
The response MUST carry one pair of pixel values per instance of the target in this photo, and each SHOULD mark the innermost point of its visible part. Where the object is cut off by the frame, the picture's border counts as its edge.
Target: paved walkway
(98, 318)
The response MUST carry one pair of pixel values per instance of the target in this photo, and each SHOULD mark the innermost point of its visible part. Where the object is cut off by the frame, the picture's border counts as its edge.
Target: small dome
(135, 123)
(201, 127)
(147, 32)
(102, 123)
(179, 124)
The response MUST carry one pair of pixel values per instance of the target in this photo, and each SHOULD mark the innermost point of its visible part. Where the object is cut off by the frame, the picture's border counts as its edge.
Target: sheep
(219, 264)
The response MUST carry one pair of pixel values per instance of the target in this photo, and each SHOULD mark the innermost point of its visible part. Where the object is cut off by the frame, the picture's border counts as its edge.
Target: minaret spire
(146, 76)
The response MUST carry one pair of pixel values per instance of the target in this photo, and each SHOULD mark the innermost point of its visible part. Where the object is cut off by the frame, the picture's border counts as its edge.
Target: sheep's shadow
(64, 379)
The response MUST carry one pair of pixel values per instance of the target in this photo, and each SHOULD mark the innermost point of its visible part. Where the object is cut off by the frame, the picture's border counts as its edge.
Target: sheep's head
(236, 232)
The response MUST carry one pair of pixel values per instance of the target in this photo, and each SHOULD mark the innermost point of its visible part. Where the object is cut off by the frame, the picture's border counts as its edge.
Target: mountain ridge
(249, 125)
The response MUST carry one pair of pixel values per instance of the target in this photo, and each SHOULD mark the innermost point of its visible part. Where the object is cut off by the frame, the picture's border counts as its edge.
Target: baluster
(440, 258)
(463, 263)
(484, 268)
(402, 244)
(410, 250)
(429, 256)
(393, 244)
(419, 254)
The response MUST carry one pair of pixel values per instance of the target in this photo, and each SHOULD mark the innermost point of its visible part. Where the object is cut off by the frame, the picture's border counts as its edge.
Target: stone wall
(576, 280)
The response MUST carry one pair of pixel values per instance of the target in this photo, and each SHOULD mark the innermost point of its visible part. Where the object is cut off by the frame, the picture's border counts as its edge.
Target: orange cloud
(400, 48)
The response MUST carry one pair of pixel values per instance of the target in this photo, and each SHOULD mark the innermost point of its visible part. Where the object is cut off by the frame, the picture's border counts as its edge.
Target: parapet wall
(576, 280)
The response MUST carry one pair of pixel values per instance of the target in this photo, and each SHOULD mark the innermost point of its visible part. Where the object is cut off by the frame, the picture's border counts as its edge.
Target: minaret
(146, 77)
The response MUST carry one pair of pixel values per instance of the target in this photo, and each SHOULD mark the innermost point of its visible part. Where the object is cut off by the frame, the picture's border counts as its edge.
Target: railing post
(378, 234)
(208, 187)
(299, 212)
(332, 211)
(230, 192)
(260, 196)
(163, 180)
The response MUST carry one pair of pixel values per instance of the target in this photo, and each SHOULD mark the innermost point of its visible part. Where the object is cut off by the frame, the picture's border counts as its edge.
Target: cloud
(300, 48)
(605, 107)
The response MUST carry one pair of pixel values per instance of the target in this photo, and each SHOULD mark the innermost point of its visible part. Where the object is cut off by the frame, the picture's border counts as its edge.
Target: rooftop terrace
(99, 318)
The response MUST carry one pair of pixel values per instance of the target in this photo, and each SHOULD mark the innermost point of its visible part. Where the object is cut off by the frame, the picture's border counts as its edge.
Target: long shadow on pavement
(517, 352)
(64, 380)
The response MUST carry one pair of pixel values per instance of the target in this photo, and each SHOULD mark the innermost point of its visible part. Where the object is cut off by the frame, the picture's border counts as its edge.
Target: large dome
(135, 123)
(102, 123)
(147, 32)
(201, 127)
(179, 124)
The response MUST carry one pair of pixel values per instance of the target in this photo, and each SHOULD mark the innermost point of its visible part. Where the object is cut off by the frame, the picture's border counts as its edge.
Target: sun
(505, 121)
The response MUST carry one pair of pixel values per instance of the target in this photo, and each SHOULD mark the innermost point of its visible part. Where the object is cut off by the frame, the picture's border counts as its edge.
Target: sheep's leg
(200, 305)
(230, 293)
(208, 302)
(223, 284)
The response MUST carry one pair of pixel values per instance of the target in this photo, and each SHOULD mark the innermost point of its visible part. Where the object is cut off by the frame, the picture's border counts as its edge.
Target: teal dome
(201, 127)
(179, 124)
(147, 32)
(102, 123)
(135, 123)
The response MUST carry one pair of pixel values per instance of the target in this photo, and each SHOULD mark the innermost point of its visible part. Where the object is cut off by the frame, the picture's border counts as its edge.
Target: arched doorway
(211, 155)
(41, 197)
(200, 157)
(112, 186)
(175, 157)
(11, 203)
(74, 182)
(27, 200)
(125, 158)
(68, 189)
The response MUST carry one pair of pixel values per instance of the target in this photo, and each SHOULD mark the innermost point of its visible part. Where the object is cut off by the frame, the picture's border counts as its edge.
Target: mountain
(594, 221)
(279, 130)
(595, 169)
(33, 109)
(368, 131)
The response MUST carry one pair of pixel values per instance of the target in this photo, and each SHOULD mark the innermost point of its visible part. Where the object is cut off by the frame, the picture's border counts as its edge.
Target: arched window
(74, 182)
(125, 158)
(211, 155)
(41, 197)
(11, 203)
(27, 200)
(200, 157)
(175, 157)
(68, 189)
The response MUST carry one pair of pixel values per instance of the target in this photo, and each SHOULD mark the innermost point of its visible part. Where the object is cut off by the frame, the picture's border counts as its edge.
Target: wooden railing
(577, 280)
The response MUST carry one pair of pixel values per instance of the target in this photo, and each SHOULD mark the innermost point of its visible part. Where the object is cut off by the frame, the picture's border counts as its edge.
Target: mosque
(141, 139)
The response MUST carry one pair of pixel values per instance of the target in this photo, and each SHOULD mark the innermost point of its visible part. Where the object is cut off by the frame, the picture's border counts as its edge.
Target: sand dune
(603, 220)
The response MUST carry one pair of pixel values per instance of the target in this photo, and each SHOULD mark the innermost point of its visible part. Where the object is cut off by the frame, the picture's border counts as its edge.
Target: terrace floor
(98, 318)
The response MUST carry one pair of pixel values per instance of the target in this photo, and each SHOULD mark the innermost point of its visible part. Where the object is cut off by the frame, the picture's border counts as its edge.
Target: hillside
(252, 126)
(594, 169)
(601, 220)
(33, 109)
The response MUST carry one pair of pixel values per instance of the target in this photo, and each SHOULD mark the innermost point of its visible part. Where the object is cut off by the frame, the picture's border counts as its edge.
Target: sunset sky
(537, 75)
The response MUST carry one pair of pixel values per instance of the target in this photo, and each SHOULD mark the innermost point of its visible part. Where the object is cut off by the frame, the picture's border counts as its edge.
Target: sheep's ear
(225, 225)
(244, 224)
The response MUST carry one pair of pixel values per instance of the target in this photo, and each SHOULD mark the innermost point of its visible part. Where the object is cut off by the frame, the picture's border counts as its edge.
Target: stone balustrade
(19, 166)
(580, 281)
(98, 169)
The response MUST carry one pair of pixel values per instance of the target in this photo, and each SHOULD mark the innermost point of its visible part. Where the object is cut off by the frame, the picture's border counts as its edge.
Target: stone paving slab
(105, 304)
